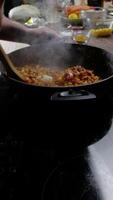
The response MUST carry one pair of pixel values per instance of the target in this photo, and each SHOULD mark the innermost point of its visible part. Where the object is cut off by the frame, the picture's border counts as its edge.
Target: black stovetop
(42, 157)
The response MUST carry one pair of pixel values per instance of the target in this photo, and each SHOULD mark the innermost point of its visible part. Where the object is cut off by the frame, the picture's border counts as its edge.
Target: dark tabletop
(105, 43)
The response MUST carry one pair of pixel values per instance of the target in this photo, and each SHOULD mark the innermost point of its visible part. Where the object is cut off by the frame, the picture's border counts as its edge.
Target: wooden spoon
(9, 66)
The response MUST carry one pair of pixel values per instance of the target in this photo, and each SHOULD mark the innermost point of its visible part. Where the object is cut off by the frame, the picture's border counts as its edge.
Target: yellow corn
(101, 32)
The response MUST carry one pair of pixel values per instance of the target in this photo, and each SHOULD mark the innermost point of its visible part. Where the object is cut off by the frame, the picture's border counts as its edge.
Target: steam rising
(53, 53)
(51, 49)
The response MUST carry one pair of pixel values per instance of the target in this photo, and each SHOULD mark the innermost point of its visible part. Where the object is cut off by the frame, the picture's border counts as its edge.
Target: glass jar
(93, 15)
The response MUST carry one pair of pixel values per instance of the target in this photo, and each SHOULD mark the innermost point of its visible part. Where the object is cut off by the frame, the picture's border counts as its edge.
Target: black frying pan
(65, 55)
(66, 122)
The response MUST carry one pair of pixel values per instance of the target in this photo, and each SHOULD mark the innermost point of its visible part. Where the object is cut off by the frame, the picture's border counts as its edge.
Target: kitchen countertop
(105, 43)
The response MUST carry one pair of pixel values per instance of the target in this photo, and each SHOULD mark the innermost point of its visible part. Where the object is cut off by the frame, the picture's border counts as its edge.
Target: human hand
(42, 34)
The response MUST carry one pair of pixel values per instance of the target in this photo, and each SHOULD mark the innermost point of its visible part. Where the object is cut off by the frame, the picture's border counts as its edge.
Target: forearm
(12, 31)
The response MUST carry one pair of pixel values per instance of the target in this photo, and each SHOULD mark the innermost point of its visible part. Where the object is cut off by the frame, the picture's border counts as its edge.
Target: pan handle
(72, 95)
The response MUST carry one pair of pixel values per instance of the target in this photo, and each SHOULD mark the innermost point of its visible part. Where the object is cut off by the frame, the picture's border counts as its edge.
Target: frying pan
(74, 112)
(65, 55)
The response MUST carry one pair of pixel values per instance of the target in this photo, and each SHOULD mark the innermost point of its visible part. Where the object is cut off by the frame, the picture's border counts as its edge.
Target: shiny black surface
(71, 180)
(44, 157)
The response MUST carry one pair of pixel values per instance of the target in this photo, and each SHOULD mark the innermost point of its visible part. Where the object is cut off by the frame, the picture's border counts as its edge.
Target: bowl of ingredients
(23, 13)
(94, 14)
(75, 20)
(71, 16)
(72, 20)
(81, 36)
(102, 28)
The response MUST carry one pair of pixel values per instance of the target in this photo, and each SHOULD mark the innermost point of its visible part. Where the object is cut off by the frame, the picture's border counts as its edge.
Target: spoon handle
(9, 66)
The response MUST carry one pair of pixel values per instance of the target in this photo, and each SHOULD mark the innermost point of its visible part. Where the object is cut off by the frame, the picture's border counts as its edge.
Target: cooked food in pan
(71, 76)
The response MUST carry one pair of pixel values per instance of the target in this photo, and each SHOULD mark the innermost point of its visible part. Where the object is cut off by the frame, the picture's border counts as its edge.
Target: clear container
(107, 23)
(81, 36)
(102, 28)
(94, 14)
